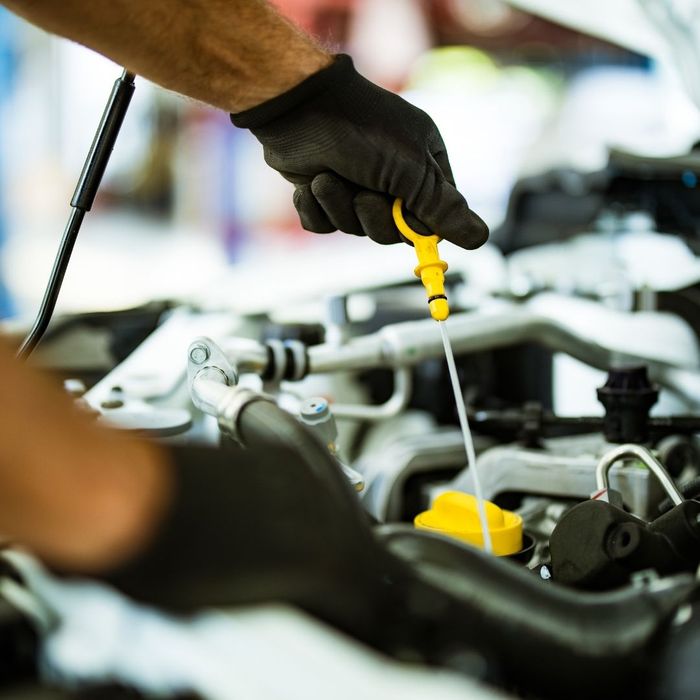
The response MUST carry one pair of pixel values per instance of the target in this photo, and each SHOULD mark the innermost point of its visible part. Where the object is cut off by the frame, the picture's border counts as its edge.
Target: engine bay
(373, 556)
(596, 592)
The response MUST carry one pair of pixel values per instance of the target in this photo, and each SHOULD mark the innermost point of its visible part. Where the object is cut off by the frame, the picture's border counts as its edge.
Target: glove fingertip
(449, 215)
(470, 233)
(477, 231)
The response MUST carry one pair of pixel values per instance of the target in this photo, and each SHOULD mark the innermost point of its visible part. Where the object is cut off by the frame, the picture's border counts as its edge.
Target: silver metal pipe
(364, 352)
(246, 355)
(647, 458)
(403, 385)
(505, 324)
(208, 389)
(406, 344)
(558, 323)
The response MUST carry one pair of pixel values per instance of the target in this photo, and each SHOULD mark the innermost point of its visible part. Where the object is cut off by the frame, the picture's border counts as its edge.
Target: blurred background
(188, 206)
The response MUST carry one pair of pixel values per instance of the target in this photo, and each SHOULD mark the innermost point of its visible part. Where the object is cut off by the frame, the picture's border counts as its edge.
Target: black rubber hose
(543, 637)
(690, 489)
(434, 597)
(263, 424)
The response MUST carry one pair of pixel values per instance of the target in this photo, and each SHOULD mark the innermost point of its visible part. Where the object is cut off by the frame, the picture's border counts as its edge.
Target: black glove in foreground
(257, 526)
(350, 148)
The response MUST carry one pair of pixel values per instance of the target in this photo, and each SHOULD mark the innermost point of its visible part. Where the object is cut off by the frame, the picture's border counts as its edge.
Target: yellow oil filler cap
(455, 514)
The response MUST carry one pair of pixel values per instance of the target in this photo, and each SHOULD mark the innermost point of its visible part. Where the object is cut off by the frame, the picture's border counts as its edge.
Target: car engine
(577, 342)
(600, 590)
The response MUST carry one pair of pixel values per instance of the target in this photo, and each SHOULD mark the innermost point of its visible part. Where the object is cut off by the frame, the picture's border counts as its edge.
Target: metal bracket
(206, 360)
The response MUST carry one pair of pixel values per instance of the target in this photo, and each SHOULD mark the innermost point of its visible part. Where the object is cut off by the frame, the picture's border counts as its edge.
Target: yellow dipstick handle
(430, 269)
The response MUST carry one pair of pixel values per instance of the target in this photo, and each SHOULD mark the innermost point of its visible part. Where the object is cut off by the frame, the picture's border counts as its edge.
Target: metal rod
(650, 462)
(403, 384)
(82, 201)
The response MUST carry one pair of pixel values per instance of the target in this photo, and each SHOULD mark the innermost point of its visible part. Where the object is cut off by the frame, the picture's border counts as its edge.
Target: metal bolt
(199, 354)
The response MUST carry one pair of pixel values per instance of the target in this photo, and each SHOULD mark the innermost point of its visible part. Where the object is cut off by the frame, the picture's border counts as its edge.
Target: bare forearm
(79, 495)
(233, 54)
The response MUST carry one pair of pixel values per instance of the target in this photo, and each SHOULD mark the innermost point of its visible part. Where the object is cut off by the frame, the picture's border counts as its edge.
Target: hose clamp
(229, 409)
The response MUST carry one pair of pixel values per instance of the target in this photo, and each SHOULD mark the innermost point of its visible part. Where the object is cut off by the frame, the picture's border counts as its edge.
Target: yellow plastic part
(455, 514)
(430, 269)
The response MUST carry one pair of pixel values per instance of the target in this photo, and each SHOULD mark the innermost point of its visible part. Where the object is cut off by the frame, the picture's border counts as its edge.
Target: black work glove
(256, 526)
(350, 148)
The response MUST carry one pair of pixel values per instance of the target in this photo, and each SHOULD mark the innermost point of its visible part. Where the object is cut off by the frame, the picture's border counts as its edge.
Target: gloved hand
(350, 148)
(255, 526)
